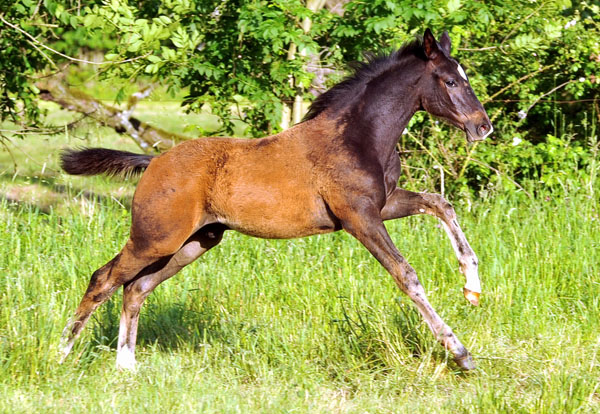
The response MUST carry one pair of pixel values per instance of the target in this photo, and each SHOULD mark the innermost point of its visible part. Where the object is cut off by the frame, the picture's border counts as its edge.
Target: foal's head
(446, 92)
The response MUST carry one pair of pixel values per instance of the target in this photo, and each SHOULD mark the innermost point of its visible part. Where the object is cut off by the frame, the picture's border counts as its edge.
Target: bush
(533, 64)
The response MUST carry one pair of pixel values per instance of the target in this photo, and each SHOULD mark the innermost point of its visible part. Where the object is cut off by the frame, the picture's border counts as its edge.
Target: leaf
(135, 46)
(165, 20)
(453, 5)
(152, 68)
(120, 95)
(92, 20)
(553, 30)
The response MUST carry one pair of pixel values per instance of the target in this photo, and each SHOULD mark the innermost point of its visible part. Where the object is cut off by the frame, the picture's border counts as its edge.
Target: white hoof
(472, 283)
(125, 359)
(64, 350)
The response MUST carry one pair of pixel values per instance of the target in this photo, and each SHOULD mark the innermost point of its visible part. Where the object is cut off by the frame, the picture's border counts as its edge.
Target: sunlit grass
(312, 324)
(306, 325)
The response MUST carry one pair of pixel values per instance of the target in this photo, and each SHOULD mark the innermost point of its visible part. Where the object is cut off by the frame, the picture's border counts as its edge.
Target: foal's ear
(430, 45)
(445, 43)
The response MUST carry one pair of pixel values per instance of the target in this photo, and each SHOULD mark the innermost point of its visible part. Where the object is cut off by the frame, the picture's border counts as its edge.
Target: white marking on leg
(125, 354)
(65, 350)
(473, 283)
(461, 72)
(125, 359)
(470, 268)
(66, 342)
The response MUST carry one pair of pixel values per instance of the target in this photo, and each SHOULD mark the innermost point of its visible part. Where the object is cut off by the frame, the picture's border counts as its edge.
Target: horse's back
(264, 188)
(270, 188)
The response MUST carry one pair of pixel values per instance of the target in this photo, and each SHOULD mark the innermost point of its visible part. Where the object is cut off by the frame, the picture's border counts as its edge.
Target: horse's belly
(276, 215)
(271, 229)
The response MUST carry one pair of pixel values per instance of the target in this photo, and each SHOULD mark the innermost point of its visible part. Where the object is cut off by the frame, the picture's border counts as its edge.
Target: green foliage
(32, 26)
(564, 161)
(223, 53)
(534, 64)
(18, 59)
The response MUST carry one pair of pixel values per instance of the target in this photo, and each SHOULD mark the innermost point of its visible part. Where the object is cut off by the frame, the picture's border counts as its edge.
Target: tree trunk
(292, 113)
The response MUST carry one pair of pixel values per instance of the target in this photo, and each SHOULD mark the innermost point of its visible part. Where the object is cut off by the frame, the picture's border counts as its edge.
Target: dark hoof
(466, 363)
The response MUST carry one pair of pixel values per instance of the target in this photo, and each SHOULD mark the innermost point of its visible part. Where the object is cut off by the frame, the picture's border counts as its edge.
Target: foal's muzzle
(477, 131)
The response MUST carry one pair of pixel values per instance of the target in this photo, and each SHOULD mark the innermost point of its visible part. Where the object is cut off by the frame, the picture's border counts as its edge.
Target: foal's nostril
(484, 130)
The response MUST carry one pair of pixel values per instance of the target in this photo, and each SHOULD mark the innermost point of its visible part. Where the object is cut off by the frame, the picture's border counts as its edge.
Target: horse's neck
(376, 121)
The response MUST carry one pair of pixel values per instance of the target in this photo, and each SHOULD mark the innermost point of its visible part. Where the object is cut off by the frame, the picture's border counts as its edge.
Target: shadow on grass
(19, 205)
(50, 193)
(378, 343)
(168, 326)
(361, 337)
(364, 333)
(360, 334)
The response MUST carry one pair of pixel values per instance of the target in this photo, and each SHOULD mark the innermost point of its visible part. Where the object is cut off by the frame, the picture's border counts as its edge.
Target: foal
(338, 169)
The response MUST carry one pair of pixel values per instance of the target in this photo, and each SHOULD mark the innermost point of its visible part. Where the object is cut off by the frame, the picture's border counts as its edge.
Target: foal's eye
(451, 83)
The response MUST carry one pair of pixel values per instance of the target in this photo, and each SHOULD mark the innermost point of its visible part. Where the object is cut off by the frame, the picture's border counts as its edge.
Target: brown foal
(338, 169)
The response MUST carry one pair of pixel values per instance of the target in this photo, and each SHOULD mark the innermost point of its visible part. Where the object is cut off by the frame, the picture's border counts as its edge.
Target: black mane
(363, 72)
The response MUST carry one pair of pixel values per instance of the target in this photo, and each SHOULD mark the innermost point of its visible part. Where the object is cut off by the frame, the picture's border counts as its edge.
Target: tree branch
(144, 135)
(521, 79)
(34, 40)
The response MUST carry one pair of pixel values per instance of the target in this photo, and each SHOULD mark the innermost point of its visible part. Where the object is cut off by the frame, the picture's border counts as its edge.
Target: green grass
(308, 325)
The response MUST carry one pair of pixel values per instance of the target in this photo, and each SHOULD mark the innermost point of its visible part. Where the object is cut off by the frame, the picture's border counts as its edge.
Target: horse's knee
(441, 206)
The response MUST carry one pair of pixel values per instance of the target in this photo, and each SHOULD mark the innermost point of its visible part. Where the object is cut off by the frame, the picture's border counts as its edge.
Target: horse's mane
(362, 73)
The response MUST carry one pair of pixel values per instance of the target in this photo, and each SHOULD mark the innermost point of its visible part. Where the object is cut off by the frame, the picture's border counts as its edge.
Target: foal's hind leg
(103, 283)
(136, 291)
(404, 203)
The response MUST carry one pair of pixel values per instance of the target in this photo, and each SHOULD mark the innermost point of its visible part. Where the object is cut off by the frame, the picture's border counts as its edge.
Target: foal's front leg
(367, 226)
(404, 203)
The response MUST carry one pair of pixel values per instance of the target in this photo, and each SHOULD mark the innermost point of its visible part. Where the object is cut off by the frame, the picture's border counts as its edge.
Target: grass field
(310, 325)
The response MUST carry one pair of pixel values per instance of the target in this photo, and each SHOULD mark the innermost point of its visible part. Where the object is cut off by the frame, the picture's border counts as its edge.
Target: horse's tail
(92, 161)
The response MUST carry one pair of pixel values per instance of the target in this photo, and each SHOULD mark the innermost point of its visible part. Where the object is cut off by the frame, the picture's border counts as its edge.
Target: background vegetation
(309, 325)
(534, 64)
